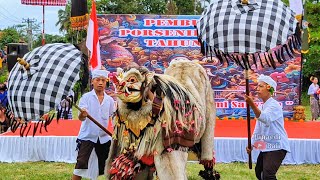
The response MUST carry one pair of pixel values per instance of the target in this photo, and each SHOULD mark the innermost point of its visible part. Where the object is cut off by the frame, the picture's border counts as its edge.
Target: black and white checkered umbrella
(235, 31)
(35, 90)
(247, 31)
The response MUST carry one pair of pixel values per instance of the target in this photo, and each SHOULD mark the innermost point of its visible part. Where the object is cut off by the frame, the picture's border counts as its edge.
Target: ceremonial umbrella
(41, 79)
(247, 32)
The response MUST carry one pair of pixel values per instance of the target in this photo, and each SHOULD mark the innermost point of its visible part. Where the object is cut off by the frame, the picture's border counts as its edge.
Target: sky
(12, 12)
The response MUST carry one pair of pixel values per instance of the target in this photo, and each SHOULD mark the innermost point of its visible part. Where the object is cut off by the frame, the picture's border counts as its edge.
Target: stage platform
(58, 144)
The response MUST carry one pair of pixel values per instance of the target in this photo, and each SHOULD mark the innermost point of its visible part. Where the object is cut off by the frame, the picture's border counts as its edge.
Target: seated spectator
(3, 95)
(65, 109)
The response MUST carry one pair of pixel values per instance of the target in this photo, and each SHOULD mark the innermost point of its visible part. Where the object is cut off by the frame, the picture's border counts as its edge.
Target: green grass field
(231, 171)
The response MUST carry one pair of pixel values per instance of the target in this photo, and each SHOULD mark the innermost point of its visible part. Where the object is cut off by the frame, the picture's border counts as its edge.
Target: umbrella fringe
(48, 121)
(218, 55)
(298, 40)
(254, 61)
(59, 112)
(293, 46)
(238, 60)
(222, 55)
(28, 130)
(290, 46)
(282, 53)
(211, 53)
(206, 50)
(41, 126)
(288, 52)
(202, 47)
(258, 57)
(294, 43)
(45, 127)
(225, 57)
(266, 59)
(35, 128)
(272, 62)
(232, 58)
(23, 129)
(277, 54)
(14, 126)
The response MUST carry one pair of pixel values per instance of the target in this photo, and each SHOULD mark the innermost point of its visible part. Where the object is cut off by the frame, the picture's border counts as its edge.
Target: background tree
(171, 8)
(9, 35)
(311, 65)
(49, 39)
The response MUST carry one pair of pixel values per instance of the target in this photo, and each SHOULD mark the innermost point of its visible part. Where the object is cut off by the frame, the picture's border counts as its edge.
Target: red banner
(45, 2)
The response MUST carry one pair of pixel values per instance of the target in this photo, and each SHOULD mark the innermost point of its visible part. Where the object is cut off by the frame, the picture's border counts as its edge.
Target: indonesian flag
(93, 39)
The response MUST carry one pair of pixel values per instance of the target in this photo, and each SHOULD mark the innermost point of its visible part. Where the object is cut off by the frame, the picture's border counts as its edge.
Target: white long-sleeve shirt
(100, 112)
(269, 127)
(313, 89)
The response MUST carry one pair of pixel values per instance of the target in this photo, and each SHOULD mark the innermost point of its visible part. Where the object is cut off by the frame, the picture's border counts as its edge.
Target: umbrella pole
(94, 121)
(43, 42)
(248, 118)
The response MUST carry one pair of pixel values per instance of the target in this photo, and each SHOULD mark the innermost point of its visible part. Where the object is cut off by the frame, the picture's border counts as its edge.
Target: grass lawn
(232, 171)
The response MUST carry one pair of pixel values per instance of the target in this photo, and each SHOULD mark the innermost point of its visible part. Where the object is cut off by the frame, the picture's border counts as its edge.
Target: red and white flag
(93, 39)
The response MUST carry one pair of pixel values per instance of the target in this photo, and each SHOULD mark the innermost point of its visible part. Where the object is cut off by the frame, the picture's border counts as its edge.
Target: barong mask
(130, 84)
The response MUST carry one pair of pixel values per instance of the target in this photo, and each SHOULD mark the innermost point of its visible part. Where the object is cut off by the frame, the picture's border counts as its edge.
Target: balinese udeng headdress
(100, 73)
(268, 80)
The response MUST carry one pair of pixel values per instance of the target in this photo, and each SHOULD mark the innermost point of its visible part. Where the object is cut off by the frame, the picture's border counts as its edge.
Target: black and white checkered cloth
(54, 70)
(231, 27)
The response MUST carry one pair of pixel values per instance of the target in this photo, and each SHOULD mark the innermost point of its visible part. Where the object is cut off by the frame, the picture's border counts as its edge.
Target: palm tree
(64, 18)
(64, 23)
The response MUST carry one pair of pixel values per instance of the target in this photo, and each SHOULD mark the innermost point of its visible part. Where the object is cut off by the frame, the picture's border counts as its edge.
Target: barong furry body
(184, 87)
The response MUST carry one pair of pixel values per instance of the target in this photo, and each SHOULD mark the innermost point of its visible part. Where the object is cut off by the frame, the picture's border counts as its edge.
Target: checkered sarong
(54, 70)
(231, 27)
(45, 2)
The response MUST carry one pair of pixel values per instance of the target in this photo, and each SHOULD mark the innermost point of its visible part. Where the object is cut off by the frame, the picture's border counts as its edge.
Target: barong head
(268, 80)
(100, 73)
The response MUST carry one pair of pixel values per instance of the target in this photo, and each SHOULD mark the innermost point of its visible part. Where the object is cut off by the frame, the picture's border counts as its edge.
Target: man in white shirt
(269, 135)
(94, 143)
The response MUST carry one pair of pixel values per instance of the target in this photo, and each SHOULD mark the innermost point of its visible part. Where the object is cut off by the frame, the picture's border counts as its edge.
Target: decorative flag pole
(92, 42)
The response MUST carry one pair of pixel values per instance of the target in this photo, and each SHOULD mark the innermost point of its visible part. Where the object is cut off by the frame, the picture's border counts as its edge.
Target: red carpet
(224, 128)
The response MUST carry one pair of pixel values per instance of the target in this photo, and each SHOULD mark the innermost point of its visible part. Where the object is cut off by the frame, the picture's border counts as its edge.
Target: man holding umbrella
(94, 143)
(269, 135)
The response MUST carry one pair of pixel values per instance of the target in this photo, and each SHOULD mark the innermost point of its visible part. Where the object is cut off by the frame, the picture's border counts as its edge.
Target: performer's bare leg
(75, 177)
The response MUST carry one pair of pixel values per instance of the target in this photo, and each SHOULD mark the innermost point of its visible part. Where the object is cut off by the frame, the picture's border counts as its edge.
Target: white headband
(100, 73)
(268, 80)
